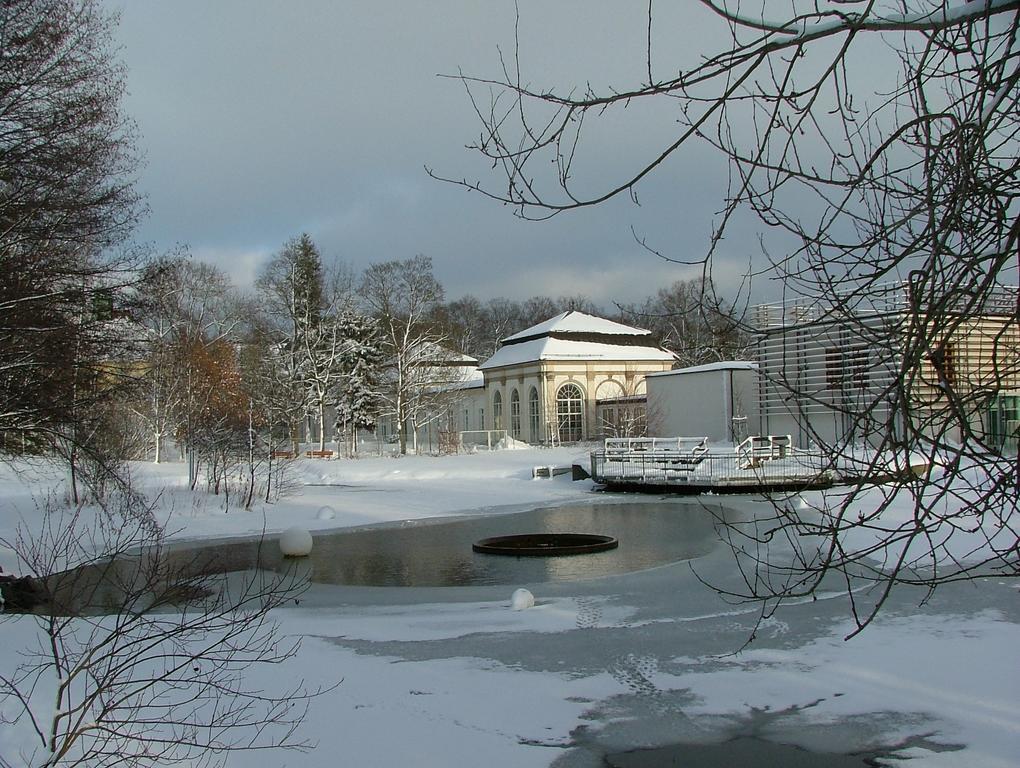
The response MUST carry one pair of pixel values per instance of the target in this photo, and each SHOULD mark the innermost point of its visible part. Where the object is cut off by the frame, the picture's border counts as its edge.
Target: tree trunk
(251, 455)
(322, 424)
(73, 475)
(192, 469)
(401, 424)
(269, 465)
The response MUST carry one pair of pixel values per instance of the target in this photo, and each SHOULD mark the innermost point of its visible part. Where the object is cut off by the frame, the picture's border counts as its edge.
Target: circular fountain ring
(545, 544)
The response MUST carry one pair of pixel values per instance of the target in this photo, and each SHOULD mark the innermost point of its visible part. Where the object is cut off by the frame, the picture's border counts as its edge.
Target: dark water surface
(743, 752)
(432, 553)
(420, 553)
(435, 554)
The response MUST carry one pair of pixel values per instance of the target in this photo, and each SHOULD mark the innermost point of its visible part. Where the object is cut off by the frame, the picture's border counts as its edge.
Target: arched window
(515, 415)
(533, 420)
(570, 413)
(497, 411)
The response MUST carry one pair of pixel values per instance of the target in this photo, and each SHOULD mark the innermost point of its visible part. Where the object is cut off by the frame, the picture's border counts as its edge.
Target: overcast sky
(259, 121)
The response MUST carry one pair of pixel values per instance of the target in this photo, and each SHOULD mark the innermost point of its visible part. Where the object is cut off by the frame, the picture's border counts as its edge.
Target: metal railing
(708, 470)
(686, 445)
(875, 299)
(481, 439)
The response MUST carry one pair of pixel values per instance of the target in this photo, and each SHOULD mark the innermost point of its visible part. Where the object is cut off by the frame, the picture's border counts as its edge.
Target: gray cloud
(263, 120)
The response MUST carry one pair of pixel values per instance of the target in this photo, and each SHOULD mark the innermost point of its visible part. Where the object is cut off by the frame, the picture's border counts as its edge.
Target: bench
(691, 460)
(283, 454)
(657, 451)
(758, 449)
(550, 471)
(319, 454)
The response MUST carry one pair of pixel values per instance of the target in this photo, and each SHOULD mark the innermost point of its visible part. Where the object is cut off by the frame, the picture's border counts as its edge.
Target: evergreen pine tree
(356, 399)
(293, 290)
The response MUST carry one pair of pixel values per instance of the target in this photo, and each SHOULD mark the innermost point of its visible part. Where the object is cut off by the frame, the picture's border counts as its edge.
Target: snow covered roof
(576, 336)
(473, 379)
(573, 321)
(568, 349)
(724, 365)
(432, 354)
(454, 378)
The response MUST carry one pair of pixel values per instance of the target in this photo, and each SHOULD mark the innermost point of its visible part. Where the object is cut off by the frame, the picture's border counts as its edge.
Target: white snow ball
(296, 542)
(522, 599)
(326, 513)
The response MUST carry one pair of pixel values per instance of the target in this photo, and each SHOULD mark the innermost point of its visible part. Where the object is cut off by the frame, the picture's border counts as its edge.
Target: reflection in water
(415, 554)
(425, 554)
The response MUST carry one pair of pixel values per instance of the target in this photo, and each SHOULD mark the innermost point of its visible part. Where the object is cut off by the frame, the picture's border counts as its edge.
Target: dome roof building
(573, 377)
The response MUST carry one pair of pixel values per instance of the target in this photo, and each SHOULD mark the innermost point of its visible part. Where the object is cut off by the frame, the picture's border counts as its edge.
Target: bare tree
(271, 394)
(332, 350)
(66, 199)
(505, 318)
(304, 301)
(142, 659)
(876, 144)
(466, 322)
(478, 329)
(178, 300)
(213, 416)
(696, 331)
(402, 296)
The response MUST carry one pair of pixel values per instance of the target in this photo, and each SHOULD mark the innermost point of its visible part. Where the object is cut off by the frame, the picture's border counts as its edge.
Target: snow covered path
(452, 676)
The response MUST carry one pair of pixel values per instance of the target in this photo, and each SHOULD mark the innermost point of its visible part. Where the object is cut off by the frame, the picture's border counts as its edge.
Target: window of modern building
(944, 360)
(847, 368)
(570, 413)
(833, 368)
(1004, 423)
(515, 415)
(857, 367)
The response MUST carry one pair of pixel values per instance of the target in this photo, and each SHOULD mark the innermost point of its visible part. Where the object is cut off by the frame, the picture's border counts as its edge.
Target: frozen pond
(428, 553)
(639, 644)
(434, 553)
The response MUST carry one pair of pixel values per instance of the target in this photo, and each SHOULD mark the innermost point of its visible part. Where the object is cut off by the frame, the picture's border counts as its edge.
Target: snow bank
(926, 666)
(953, 676)
(356, 491)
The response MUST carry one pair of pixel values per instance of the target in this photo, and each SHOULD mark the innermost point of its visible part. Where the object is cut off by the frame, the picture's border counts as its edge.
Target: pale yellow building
(573, 377)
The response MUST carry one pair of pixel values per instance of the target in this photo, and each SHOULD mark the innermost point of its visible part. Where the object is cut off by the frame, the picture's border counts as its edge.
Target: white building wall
(703, 403)
(523, 380)
(596, 380)
(821, 378)
(469, 409)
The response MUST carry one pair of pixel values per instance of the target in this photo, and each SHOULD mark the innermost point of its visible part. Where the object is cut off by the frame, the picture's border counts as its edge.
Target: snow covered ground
(450, 676)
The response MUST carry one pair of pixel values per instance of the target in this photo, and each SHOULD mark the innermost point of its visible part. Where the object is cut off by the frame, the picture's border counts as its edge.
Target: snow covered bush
(135, 655)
